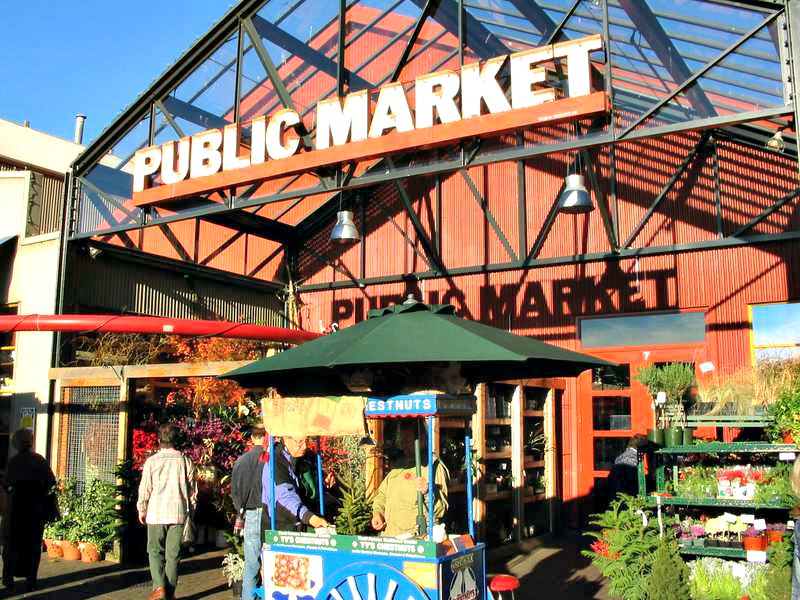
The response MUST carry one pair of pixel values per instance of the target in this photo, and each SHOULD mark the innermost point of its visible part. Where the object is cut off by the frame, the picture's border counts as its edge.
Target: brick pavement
(550, 568)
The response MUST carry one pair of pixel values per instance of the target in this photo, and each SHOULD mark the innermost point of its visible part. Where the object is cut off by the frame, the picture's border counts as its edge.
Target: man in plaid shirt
(167, 496)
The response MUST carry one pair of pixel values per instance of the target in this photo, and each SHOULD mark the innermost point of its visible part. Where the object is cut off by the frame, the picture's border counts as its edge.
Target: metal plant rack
(714, 551)
(729, 448)
(715, 502)
(737, 421)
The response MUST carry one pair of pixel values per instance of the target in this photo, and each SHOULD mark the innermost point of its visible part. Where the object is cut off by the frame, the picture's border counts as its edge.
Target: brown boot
(157, 594)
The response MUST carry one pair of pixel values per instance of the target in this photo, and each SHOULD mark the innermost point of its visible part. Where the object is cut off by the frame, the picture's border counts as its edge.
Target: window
(611, 413)
(611, 378)
(606, 450)
(775, 331)
(641, 330)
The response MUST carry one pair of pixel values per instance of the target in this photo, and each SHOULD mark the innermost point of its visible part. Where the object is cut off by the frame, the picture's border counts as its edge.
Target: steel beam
(478, 38)
(274, 76)
(666, 189)
(430, 8)
(537, 16)
(646, 22)
(484, 206)
(698, 74)
(625, 253)
(189, 112)
(300, 49)
(556, 32)
(608, 225)
(342, 77)
(766, 213)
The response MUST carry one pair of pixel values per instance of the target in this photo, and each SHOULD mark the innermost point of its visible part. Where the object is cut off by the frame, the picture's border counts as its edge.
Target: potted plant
(53, 535)
(233, 570)
(754, 539)
(775, 532)
(98, 518)
(785, 412)
(668, 385)
(69, 545)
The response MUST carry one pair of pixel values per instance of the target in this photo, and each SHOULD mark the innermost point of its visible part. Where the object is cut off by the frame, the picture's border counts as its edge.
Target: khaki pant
(164, 554)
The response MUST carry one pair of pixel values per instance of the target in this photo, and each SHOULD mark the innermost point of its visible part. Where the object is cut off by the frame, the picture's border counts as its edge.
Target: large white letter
(340, 122)
(391, 111)
(578, 71)
(275, 143)
(523, 76)
(206, 157)
(439, 91)
(145, 162)
(258, 140)
(170, 171)
(230, 149)
(481, 84)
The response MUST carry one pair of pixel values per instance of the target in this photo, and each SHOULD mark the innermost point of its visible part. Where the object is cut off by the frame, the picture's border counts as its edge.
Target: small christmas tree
(355, 513)
(669, 579)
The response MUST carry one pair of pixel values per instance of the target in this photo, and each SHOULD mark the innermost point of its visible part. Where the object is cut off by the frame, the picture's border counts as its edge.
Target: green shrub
(669, 579)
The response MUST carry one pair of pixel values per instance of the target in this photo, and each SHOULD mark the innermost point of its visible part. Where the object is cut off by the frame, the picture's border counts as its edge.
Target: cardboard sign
(322, 415)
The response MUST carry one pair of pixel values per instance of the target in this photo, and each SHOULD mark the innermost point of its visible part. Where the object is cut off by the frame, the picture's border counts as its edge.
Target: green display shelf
(737, 421)
(733, 447)
(722, 503)
(714, 551)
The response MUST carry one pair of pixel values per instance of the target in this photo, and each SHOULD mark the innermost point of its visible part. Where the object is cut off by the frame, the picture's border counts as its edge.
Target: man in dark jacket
(246, 496)
(624, 475)
(293, 511)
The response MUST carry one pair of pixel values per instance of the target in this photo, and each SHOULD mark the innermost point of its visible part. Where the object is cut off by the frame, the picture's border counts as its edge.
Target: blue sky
(62, 57)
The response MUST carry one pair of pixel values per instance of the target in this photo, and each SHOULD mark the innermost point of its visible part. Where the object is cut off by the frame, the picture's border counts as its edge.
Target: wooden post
(517, 460)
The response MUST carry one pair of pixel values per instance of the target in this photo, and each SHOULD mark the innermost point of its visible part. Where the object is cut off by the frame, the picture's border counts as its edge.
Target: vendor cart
(327, 566)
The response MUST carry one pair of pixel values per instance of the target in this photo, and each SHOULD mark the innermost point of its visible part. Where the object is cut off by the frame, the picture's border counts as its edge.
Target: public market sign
(448, 107)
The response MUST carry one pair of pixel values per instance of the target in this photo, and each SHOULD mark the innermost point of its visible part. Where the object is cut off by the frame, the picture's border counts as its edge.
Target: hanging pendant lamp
(345, 230)
(575, 199)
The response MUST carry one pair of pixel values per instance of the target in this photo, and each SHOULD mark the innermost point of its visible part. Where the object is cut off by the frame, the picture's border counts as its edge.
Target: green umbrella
(403, 340)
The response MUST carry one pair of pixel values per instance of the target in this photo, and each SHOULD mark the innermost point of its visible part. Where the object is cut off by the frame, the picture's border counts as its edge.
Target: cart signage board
(384, 546)
(420, 405)
(314, 416)
(447, 107)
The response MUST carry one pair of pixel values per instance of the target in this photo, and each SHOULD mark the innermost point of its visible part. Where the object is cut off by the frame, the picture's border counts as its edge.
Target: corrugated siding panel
(45, 202)
(117, 286)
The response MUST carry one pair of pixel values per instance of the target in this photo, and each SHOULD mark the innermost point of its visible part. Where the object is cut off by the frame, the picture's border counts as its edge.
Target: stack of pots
(671, 436)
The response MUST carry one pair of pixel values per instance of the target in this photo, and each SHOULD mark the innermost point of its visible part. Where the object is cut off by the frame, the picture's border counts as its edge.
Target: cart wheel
(370, 581)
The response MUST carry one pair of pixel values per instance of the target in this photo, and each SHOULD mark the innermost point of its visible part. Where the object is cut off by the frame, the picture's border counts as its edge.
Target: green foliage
(712, 579)
(236, 542)
(98, 520)
(697, 482)
(673, 378)
(669, 579)
(68, 505)
(355, 512)
(777, 486)
(778, 579)
(785, 412)
(625, 548)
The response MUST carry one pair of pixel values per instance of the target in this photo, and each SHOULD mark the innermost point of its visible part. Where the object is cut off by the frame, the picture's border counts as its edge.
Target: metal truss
(475, 34)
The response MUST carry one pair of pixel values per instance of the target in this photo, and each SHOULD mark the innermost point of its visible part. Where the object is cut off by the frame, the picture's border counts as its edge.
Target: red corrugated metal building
(692, 175)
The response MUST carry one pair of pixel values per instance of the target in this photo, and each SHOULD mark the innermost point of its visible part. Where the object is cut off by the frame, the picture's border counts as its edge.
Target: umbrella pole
(431, 477)
(418, 464)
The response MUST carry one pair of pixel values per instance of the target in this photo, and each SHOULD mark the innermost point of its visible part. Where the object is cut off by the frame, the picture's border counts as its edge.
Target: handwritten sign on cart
(312, 416)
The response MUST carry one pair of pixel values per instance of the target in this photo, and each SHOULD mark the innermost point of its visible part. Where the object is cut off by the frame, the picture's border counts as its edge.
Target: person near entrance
(246, 496)
(28, 482)
(292, 512)
(167, 499)
(624, 475)
(394, 507)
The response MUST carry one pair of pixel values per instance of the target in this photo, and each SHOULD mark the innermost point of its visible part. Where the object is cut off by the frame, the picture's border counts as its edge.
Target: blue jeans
(252, 552)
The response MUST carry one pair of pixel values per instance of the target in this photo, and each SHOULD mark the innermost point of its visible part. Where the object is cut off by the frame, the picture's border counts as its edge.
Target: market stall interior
(388, 365)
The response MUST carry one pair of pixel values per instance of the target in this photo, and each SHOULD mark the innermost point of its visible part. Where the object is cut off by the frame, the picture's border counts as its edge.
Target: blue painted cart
(315, 566)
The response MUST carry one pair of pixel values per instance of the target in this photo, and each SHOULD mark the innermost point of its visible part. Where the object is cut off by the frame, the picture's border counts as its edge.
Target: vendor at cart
(394, 507)
(292, 512)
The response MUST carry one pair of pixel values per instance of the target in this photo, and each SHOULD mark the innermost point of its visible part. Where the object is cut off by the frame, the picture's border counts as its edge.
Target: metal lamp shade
(345, 231)
(575, 199)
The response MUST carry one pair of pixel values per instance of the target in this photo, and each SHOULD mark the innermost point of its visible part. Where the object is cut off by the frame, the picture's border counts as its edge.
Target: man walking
(246, 496)
(167, 496)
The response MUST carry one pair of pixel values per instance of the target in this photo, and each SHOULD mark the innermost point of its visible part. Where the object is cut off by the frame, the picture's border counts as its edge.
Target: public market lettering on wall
(448, 106)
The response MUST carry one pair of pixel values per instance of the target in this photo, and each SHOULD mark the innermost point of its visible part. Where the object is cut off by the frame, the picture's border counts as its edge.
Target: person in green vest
(394, 507)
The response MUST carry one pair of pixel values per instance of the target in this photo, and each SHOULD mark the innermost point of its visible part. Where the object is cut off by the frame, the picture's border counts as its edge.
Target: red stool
(503, 586)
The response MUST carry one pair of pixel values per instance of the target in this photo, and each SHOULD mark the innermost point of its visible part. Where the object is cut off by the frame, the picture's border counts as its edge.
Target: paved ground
(554, 569)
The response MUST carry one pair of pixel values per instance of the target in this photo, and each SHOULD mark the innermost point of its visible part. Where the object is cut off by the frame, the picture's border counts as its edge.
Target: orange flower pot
(70, 551)
(774, 536)
(755, 543)
(89, 552)
(53, 549)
